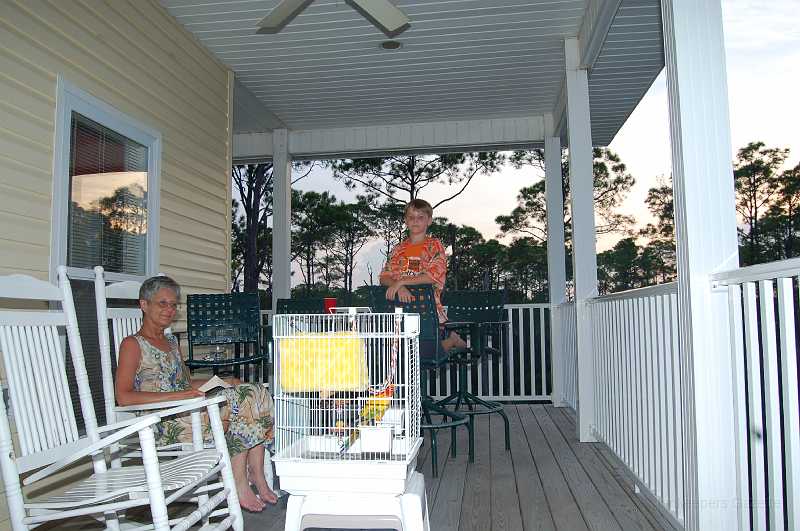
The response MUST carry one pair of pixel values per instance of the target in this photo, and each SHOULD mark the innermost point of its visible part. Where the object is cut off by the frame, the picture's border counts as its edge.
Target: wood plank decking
(548, 481)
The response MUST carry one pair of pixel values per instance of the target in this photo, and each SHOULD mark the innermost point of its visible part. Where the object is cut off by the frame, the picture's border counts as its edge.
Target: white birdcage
(347, 402)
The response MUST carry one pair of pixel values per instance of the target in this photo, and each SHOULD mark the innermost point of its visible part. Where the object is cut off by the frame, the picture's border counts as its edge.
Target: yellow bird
(376, 405)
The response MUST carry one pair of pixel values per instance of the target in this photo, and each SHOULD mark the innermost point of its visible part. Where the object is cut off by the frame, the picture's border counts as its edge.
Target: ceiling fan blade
(281, 15)
(383, 14)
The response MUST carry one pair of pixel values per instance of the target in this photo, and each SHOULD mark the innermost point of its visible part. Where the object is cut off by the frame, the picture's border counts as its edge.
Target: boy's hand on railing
(400, 291)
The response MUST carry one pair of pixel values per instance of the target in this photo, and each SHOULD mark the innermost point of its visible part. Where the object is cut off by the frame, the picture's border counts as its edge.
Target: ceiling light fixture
(391, 45)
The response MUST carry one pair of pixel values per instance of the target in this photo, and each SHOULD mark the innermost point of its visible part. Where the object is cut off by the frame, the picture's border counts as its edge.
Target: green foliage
(612, 182)
(329, 234)
(400, 178)
(765, 204)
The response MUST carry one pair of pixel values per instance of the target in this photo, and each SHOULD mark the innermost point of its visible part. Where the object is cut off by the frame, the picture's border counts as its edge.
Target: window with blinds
(107, 199)
(107, 225)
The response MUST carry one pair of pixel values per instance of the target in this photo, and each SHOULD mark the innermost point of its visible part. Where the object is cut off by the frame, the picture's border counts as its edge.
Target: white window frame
(69, 99)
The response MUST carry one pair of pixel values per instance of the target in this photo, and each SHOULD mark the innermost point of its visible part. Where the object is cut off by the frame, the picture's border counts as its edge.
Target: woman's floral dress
(249, 411)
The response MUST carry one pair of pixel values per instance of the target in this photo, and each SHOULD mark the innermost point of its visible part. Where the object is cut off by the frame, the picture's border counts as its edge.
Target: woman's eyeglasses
(168, 304)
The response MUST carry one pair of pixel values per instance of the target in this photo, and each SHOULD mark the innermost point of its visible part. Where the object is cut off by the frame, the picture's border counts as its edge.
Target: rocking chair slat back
(32, 342)
(124, 322)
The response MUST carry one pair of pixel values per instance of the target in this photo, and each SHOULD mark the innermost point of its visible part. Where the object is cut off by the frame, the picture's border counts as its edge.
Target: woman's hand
(185, 395)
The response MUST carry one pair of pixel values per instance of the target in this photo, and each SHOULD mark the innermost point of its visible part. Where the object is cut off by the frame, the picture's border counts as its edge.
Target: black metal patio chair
(477, 313)
(221, 321)
(432, 358)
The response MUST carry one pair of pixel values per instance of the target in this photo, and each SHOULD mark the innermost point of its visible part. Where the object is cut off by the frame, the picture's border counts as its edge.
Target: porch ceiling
(460, 60)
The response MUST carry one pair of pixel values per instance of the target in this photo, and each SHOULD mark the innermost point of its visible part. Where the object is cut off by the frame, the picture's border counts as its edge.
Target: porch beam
(380, 140)
(556, 260)
(584, 253)
(281, 216)
(705, 223)
(597, 22)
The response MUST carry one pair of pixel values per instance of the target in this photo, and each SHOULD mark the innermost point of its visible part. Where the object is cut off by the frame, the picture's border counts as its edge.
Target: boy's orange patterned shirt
(412, 259)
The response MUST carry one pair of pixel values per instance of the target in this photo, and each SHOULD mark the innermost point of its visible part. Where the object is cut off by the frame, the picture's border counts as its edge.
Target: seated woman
(151, 369)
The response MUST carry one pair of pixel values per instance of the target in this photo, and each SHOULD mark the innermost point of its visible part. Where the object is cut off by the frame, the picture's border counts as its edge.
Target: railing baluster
(542, 351)
(791, 411)
(531, 357)
(739, 403)
(640, 422)
(772, 399)
(756, 428)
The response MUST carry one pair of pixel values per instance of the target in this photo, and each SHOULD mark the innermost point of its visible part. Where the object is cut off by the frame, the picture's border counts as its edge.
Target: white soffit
(629, 61)
(461, 60)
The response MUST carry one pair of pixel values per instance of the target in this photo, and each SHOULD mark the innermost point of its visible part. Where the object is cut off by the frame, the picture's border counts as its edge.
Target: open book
(213, 383)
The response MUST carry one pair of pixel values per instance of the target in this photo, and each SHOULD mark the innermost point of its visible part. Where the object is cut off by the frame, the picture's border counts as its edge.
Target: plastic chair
(477, 312)
(49, 441)
(220, 319)
(432, 358)
(407, 512)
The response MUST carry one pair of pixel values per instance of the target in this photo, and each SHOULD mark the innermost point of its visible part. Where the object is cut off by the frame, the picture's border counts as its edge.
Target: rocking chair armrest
(177, 407)
(157, 405)
(119, 425)
(189, 406)
(144, 422)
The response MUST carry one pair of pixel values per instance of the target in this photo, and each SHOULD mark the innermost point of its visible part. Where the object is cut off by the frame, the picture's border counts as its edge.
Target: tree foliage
(612, 182)
(251, 246)
(328, 235)
(401, 178)
(758, 183)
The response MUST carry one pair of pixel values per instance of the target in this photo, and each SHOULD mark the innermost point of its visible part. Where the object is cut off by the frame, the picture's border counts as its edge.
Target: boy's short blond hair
(421, 205)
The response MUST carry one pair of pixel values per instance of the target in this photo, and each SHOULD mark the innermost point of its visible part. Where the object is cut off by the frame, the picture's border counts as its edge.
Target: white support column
(705, 223)
(556, 260)
(281, 216)
(584, 253)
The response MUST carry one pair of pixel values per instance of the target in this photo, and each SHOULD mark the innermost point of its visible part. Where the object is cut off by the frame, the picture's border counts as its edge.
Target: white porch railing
(565, 317)
(638, 388)
(522, 371)
(763, 304)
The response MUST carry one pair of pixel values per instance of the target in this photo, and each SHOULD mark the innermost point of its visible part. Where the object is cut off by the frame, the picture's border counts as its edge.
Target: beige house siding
(133, 56)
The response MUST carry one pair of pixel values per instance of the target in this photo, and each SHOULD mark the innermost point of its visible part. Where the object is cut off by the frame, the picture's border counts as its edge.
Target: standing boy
(419, 259)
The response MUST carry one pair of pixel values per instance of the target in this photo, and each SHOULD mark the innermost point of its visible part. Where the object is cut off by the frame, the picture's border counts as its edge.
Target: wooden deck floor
(548, 481)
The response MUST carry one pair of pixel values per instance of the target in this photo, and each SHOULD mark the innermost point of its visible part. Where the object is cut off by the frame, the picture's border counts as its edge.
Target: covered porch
(649, 373)
(674, 406)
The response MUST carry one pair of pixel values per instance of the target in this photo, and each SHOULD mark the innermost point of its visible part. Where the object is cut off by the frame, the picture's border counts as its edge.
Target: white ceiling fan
(388, 18)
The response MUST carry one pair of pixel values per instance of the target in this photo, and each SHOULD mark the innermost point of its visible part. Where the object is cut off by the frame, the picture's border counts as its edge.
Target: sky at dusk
(762, 41)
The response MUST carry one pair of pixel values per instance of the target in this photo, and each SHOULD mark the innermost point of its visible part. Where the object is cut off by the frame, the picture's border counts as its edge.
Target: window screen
(108, 199)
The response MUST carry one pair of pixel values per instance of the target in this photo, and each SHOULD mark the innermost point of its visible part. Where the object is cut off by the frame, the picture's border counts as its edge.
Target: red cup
(330, 303)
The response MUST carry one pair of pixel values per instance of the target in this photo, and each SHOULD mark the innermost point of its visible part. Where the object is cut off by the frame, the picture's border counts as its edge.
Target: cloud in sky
(759, 26)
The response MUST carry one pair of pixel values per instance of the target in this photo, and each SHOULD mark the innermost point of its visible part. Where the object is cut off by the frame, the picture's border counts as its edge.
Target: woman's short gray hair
(153, 285)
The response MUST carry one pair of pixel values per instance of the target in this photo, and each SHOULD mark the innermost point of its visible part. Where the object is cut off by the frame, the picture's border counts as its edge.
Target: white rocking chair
(49, 441)
(126, 321)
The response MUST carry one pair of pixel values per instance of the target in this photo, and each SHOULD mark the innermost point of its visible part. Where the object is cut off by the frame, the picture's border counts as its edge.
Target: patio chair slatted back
(223, 318)
(431, 353)
(475, 306)
(309, 305)
(226, 319)
(31, 342)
